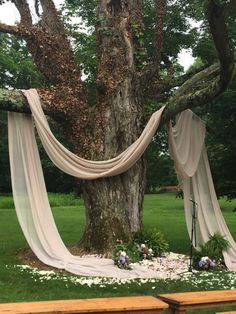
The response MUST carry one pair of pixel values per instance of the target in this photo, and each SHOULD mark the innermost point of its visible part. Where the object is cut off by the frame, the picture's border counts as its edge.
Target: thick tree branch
(218, 28)
(216, 18)
(191, 100)
(9, 29)
(13, 100)
(184, 99)
(185, 82)
(200, 76)
(160, 15)
(23, 8)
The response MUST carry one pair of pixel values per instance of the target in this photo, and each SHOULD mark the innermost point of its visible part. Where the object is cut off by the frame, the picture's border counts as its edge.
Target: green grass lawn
(162, 211)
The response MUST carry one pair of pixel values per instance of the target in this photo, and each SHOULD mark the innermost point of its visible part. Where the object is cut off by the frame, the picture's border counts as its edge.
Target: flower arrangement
(153, 240)
(206, 263)
(144, 246)
(145, 252)
(122, 260)
(210, 254)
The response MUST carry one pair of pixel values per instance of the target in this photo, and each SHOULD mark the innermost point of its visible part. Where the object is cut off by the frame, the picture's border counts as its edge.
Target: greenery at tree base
(213, 249)
(152, 239)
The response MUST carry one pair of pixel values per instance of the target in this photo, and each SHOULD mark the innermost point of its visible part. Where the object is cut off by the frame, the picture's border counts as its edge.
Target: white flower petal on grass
(171, 267)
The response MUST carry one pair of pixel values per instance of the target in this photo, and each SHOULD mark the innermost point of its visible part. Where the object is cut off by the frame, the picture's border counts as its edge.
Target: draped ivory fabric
(30, 195)
(187, 148)
(82, 168)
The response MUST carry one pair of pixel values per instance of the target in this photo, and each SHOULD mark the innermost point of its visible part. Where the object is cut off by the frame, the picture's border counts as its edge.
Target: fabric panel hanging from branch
(187, 149)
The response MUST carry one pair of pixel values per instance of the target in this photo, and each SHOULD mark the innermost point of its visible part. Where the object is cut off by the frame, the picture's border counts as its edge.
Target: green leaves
(84, 9)
(153, 239)
(221, 142)
(214, 247)
(16, 67)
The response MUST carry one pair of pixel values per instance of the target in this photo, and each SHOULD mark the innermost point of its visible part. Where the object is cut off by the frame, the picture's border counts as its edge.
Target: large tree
(135, 67)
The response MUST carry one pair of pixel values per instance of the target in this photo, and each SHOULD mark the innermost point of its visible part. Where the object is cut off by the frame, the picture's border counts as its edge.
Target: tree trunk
(114, 209)
(114, 206)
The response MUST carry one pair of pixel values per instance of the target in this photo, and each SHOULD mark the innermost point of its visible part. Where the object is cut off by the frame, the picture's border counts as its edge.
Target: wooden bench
(180, 302)
(128, 305)
(228, 312)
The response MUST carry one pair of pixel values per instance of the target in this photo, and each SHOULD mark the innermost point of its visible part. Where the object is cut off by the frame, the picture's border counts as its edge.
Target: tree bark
(113, 209)
(114, 205)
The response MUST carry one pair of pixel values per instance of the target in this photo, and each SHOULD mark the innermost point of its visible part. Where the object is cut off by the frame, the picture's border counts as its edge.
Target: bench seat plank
(200, 297)
(228, 312)
(180, 302)
(137, 305)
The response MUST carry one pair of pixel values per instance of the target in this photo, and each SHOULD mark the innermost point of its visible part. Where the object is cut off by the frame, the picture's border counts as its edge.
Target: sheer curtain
(30, 195)
(187, 148)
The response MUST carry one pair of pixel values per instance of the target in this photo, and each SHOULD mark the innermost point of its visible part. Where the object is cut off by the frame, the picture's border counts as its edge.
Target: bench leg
(176, 311)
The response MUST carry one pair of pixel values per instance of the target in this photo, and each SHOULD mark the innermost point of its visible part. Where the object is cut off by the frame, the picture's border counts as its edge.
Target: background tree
(221, 142)
(160, 167)
(136, 67)
(17, 70)
(219, 116)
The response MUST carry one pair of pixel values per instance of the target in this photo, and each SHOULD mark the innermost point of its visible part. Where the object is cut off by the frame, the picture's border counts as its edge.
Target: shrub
(152, 239)
(213, 249)
(215, 246)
